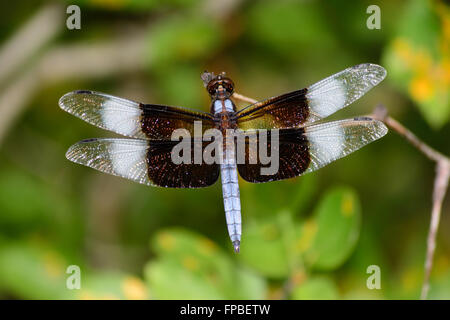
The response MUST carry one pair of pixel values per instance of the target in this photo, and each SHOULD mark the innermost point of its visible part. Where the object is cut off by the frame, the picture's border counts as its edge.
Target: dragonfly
(305, 142)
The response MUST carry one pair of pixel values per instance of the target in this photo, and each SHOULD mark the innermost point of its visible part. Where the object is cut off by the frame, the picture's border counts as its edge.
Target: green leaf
(181, 39)
(191, 258)
(264, 249)
(33, 272)
(169, 280)
(337, 220)
(181, 85)
(27, 207)
(194, 251)
(317, 288)
(249, 285)
(111, 286)
(289, 27)
(293, 195)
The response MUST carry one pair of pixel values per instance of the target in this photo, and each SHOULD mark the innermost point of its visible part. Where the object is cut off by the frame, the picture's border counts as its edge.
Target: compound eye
(229, 87)
(211, 90)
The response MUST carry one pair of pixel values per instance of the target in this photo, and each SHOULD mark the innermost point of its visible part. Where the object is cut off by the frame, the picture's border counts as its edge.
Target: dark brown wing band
(163, 172)
(133, 119)
(293, 157)
(143, 161)
(286, 111)
(159, 122)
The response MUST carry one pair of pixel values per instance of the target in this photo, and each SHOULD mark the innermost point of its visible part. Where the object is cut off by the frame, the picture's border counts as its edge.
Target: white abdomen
(231, 199)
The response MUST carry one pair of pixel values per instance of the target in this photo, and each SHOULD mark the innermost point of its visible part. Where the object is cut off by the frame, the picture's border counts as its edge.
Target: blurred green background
(310, 237)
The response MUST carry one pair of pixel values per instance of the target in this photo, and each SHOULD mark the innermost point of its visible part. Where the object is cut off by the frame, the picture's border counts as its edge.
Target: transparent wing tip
(371, 68)
(382, 128)
(376, 126)
(73, 153)
(63, 100)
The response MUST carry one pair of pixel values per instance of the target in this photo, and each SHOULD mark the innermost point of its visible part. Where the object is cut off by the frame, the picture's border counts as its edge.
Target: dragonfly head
(218, 86)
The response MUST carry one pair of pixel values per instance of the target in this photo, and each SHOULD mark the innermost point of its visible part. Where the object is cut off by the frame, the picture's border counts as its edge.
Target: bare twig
(243, 98)
(380, 113)
(439, 190)
(220, 9)
(21, 47)
(15, 98)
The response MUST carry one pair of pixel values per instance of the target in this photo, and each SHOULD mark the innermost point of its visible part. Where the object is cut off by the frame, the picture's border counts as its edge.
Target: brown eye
(211, 88)
(229, 86)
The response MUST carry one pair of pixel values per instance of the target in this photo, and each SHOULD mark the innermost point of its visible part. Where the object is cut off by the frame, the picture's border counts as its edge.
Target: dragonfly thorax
(222, 105)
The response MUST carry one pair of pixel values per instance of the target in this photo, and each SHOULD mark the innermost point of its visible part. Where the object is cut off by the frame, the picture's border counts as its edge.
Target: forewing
(143, 161)
(298, 108)
(303, 150)
(132, 119)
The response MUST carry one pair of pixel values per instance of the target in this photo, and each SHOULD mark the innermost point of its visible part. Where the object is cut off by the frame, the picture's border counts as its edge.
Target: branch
(380, 113)
(242, 98)
(15, 98)
(439, 189)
